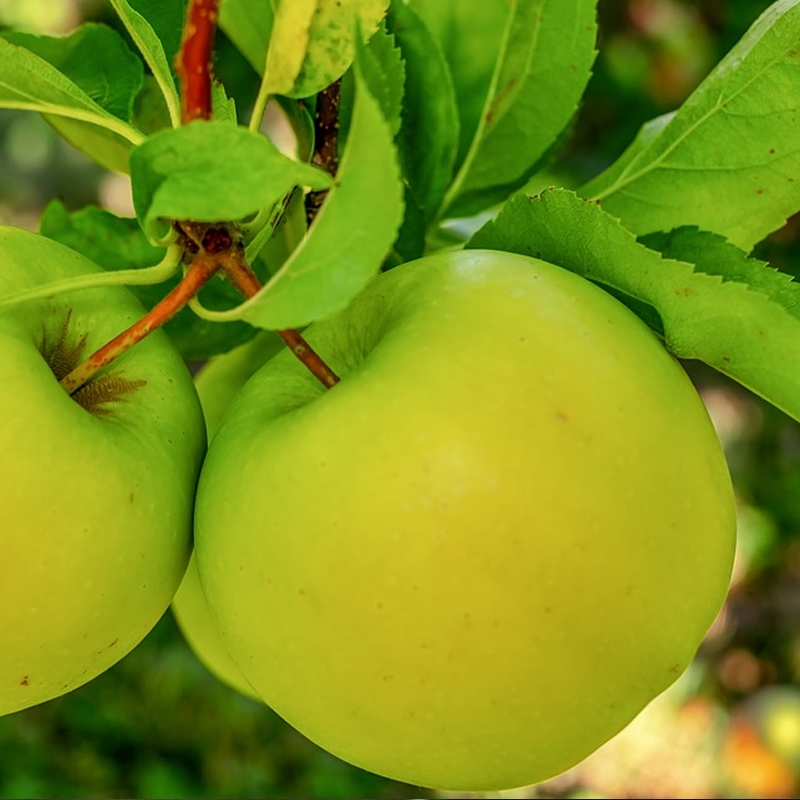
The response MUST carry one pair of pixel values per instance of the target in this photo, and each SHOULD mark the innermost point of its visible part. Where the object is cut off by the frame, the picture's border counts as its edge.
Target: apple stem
(193, 62)
(247, 284)
(199, 272)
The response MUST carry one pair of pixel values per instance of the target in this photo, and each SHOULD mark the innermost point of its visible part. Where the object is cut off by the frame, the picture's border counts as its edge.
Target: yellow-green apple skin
(96, 500)
(217, 384)
(483, 552)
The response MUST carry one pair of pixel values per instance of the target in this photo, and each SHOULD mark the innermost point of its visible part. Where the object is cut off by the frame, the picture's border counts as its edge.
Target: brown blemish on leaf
(25, 681)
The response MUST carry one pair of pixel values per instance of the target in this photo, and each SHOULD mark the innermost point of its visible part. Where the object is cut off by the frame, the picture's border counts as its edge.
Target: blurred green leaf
(106, 148)
(96, 59)
(248, 24)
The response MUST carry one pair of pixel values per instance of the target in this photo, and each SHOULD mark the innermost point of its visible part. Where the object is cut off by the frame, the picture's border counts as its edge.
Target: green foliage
(428, 136)
(33, 79)
(350, 235)
(208, 171)
(541, 71)
(155, 43)
(249, 23)
(743, 190)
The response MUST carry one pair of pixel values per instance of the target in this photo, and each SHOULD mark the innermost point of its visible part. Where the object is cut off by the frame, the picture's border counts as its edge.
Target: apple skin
(217, 384)
(96, 506)
(482, 553)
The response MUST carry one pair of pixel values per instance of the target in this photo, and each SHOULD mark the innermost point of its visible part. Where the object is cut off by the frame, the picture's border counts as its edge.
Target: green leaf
(96, 59)
(384, 71)
(542, 68)
(151, 46)
(729, 159)
(350, 236)
(166, 18)
(29, 81)
(248, 24)
(111, 242)
(748, 332)
(470, 34)
(428, 137)
(212, 171)
(288, 44)
(715, 255)
(313, 42)
(106, 148)
(117, 243)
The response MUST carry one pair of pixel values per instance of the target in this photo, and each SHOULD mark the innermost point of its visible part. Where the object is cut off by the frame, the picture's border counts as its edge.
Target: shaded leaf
(150, 45)
(96, 59)
(248, 24)
(470, 35)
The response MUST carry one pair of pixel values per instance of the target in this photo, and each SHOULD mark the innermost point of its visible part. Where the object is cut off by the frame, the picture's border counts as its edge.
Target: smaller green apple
(97, 489)
(482, 553)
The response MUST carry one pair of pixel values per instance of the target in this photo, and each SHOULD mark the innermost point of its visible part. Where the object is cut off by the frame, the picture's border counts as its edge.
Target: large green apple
(485, 550)
(97, 489)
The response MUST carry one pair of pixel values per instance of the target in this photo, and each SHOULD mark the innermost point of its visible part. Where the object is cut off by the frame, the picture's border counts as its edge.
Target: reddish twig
(326, 142)
(193, 62)
(201, 270)
(246, 282)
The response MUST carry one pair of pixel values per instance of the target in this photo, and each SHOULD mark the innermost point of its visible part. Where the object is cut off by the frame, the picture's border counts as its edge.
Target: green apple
(97, 489)
(484, 551)
(217, 384)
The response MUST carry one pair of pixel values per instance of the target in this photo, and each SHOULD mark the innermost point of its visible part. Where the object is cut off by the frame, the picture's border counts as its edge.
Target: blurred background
(159, 725)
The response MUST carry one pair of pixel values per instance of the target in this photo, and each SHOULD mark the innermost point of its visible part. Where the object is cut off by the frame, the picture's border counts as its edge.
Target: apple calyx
(64, 355)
